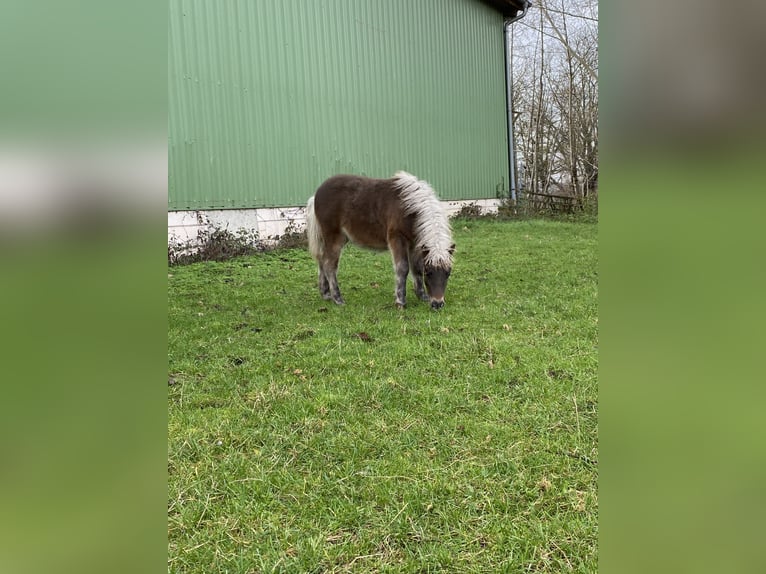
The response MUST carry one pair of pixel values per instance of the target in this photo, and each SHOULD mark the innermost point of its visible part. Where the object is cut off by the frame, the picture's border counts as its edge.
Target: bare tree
(556, 99)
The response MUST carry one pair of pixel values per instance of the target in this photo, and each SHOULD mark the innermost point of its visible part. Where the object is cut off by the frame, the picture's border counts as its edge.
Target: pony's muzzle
(437, 304)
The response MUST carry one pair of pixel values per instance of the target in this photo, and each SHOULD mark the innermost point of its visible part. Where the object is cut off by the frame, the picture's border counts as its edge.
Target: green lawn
(306, 437)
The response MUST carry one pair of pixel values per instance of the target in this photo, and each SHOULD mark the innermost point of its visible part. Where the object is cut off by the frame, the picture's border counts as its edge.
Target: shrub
(215, 244)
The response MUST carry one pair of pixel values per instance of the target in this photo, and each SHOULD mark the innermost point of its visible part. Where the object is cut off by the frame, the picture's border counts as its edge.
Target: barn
(267, 98)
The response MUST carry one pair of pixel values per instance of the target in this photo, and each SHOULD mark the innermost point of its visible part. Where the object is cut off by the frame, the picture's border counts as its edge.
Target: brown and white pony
(401, 214)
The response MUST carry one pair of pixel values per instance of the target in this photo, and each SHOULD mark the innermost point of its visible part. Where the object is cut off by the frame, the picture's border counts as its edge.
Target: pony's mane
(432, 229)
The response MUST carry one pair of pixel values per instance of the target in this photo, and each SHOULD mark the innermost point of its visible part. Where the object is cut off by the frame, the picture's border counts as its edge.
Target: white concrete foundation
(269, 223)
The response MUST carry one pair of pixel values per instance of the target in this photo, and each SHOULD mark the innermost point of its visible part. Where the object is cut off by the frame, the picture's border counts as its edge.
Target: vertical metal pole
(509, 99)
(509, 110)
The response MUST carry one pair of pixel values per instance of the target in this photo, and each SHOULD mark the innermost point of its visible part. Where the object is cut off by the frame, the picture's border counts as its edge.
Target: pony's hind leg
(328, 274)
(324, 284)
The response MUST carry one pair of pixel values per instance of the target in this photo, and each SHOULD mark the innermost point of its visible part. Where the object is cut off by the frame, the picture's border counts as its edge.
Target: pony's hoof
(400, 305)
(339, 301)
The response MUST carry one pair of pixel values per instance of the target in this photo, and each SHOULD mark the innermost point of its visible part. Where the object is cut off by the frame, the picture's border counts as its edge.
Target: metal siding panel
(270, 97)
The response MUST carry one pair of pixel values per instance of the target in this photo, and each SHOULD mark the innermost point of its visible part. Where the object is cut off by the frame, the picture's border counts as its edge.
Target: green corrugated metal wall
(270, 97)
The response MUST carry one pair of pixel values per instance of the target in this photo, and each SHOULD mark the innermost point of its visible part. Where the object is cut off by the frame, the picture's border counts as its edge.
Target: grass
(306, 437)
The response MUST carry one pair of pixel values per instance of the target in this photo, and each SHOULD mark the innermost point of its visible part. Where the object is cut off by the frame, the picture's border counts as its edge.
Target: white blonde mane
(432, 229)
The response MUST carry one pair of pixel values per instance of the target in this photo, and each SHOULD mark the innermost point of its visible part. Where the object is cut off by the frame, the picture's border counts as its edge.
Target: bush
(215, 245)
(292, 238)
(469, 211)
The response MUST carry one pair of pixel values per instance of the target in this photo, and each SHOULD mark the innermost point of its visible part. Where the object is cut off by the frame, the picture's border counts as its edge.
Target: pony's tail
(316, 245)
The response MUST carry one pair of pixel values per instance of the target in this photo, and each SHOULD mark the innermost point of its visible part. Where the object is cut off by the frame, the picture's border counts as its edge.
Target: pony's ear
(452, 249)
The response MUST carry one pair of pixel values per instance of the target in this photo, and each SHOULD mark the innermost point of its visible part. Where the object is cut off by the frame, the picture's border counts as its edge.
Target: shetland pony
(401, 214)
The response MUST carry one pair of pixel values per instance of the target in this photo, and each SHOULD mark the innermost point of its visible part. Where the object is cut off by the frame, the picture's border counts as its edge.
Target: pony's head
(435, 276)
(433, 237)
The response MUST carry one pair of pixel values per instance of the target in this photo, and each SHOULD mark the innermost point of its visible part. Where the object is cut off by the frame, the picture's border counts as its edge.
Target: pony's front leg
(401, 269)
(416, 268)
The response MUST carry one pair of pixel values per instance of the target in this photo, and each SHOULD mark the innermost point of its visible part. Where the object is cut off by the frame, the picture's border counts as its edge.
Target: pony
(401, 214)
